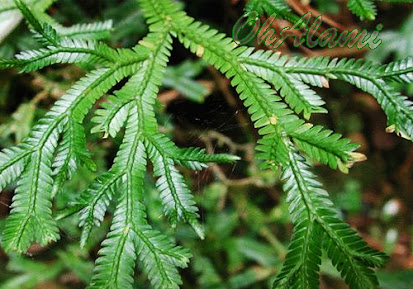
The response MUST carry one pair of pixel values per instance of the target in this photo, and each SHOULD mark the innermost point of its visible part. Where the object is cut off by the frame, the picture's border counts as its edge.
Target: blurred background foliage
(243, 209)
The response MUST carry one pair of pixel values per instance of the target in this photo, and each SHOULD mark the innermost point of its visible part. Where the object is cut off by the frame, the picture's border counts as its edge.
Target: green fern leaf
(302, 265)
(56, 145)
(325, 146)
(398, 108)
(112, 116)
(114, 112)
(348, 252)
(12, 164)
(68, 51)
(94, 202)
(179, 203)
(115, 266)
(160, 258)
(71, 153)
(280, 7)
(400, 71)
(44, 32)
(91, 31)
(130, 235)
(192, 158)
(364, 75)
(365, 9)
(31, 215)
(297, 94)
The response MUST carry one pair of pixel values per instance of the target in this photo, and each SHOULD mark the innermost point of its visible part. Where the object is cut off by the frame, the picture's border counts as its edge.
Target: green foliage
(364, 9)
(279, 7)
(402, 280)
(56, 147)
(32, 273)
(317, 223)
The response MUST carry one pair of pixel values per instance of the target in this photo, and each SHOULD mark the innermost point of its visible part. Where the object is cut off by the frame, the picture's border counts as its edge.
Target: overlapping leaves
(56, 147)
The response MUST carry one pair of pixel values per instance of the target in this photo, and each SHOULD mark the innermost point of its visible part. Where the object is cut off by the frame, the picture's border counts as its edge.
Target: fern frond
(192, 158)
(116, 262)
(70, 154)
(364, 75)
(280, 7)
(265, 108)
(365, 9)
(31, 215)
(197, 159)
(97, 198)
(73, 51)
(130, 235)
(94, 202)
(112, 115)
(297, 94)
(31, 219)
(398, 108)
(160, 258)
(348, 252)
(68, 51)
(277, 123)
(171, 183)
(271, 151)
(157, 11)
(44, 32)
(12, 163)
(114, 112)
(324, 146)
(178, 202)
(66, 48)
(79, 99)
(400, 71)
(56, 145)
(115, 266)
(302, 265)
(91, 31)
(144, 84)
(96, 84)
